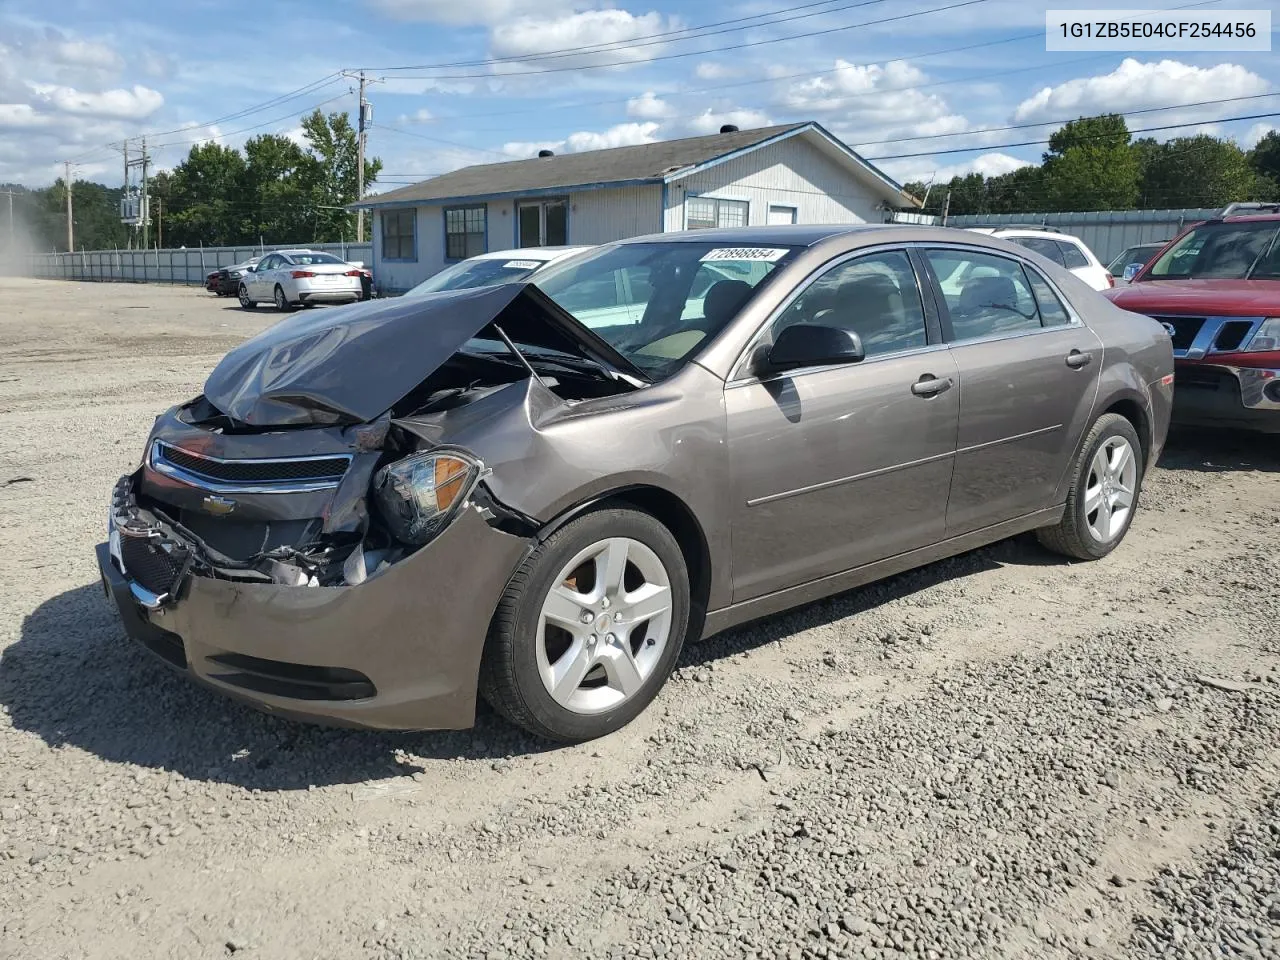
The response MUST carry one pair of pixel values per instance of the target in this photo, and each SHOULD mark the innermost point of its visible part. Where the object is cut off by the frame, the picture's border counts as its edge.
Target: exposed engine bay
(298, 490)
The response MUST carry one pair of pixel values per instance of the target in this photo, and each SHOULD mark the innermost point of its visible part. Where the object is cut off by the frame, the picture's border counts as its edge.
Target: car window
(875, 296)
(1223, 250)
(1052, 311)
(310, 259)
(992, 298)
(641, 297)
(270, 263)
(1072, 255)
(1043, 246)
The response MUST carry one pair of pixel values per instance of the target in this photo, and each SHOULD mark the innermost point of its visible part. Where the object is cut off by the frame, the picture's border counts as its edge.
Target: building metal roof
(644, 163)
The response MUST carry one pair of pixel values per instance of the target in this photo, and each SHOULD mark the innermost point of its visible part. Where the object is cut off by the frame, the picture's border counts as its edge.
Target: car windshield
(1223, 251)
(477, 273)
(310, 259)
(657, 303)
(1136, 254)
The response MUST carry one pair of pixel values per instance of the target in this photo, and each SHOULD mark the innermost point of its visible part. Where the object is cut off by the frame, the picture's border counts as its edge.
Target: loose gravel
(1000, 755)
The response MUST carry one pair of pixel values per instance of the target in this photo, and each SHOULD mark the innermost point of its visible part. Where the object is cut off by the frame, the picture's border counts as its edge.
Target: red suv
(1216, 290)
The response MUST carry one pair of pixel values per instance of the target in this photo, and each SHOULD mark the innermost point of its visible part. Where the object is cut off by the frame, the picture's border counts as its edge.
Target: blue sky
(73, 86)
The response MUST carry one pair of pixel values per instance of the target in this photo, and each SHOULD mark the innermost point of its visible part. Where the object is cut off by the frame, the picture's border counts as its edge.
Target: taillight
(352, 273)
(1111, 281)
(302, 274)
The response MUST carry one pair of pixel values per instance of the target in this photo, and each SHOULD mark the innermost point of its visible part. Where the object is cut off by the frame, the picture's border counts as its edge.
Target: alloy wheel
(244, 296)
(281, 303)
(1110, 491)
(604, 625)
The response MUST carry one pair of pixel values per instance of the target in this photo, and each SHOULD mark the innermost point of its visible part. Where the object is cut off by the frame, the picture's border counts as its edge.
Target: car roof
(1024, 232)
(803, 235)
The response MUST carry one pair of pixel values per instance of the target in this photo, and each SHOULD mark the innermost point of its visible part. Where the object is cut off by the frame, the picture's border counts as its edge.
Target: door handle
(1076, 359)
(930, 386)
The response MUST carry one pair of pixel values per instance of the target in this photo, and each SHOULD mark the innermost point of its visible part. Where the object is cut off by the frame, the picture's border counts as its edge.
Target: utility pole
(159, 221)
(146, 211)
(946, 208)
(360, 161)
(70, 231)
(11, 231)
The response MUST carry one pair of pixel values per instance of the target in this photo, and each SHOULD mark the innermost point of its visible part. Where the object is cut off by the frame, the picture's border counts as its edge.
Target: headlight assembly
(419, 495)
(1267, 338)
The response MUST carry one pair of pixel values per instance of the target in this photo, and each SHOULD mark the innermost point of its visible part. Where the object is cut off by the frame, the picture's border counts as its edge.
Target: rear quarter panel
(1136, 355)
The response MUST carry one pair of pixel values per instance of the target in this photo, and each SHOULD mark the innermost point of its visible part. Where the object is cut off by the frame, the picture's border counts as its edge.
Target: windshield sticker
(522, 265)
(762, 254)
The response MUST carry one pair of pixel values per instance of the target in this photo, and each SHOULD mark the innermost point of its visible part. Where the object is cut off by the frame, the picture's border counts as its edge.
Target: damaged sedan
(538, 492)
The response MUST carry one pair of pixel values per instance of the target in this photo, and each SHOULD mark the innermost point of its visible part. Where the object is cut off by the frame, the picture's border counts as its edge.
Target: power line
(1033, 143)
(698, 53)
(647, 40)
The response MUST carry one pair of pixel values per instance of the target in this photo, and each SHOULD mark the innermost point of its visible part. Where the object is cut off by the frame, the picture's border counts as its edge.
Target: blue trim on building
(372, 204)
(382, 244)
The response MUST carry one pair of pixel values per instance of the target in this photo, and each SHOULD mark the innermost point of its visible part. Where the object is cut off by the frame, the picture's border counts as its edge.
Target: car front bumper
(399, 651)
(1222, 395)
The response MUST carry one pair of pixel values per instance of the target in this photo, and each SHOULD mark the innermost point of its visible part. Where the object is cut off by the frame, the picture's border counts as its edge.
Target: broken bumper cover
(1228, 396)
(399, 651)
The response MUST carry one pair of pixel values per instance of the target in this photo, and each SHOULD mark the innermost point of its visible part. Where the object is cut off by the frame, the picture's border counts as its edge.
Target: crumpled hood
(351, 364)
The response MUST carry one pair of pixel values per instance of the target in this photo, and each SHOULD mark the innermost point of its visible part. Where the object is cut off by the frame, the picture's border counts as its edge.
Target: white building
(795, 173)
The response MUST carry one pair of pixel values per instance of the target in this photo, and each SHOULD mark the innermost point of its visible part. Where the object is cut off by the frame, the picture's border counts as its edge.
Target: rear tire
(1103, 498)
(561, 679)
(282, 302)
(245, 301)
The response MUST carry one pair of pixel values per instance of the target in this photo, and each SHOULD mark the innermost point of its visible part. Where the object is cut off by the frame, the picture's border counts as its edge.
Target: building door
(542, 223)
(779, 213)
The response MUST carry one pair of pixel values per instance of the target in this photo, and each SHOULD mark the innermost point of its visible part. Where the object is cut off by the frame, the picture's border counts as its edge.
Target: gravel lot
(1000, 755)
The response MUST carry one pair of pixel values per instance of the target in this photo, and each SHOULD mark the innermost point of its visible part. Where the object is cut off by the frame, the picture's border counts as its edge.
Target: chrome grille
(278, 475)
(1194, 338)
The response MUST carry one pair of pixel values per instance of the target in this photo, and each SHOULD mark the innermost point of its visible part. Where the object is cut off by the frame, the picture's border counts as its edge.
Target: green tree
(278, 185)
(1200, 171)
(1265, 158)
(333, 143)
(1090, 165)
(1019, 191)
(206, 205)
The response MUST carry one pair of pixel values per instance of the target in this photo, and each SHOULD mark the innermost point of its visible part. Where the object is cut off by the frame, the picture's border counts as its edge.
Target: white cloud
(620, 135)
(871, 104)
(711, 120)
(421, 115)
(1135, 85)
(471, 12)
(529, 36)
(710, 70)
(21, 115)
(648, 106)
(1256, 133)
(922, 170)
(86, 53)
(133, 104)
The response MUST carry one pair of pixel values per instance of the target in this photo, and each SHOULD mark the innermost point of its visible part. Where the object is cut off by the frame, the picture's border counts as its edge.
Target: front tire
(1103, 498)
(589, 628)
(246, 301)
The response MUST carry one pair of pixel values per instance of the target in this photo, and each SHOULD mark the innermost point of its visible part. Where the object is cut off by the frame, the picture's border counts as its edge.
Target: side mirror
(812, 345)
(1131, 271)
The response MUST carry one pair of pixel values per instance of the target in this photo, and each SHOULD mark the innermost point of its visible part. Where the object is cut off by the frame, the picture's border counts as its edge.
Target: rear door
(835, 467)
(1028, 371)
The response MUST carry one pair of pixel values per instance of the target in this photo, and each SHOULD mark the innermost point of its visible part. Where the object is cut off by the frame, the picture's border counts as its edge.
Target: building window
(464, 232)
(542, 223)
(703, 212)
(398, 234)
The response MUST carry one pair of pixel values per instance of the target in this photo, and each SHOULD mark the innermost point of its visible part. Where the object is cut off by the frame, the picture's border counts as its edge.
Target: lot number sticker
(522, 264)
(760, 254)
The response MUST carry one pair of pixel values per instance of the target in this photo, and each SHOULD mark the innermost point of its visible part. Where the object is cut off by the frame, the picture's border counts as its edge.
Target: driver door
(263, 287)
(836, 467)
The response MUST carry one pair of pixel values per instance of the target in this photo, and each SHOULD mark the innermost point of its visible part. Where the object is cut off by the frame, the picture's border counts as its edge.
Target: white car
(488, 269)
(293, 278)
(1062, 248)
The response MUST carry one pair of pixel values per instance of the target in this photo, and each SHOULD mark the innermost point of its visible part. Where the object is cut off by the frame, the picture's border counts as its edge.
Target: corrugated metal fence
(181, 265)
(1106, 232)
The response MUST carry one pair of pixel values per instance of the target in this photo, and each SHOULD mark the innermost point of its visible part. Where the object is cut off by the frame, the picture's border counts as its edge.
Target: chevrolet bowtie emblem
(218, 506)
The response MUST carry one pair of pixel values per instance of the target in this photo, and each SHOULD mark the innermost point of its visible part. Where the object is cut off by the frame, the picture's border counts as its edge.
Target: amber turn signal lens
(451, 475)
